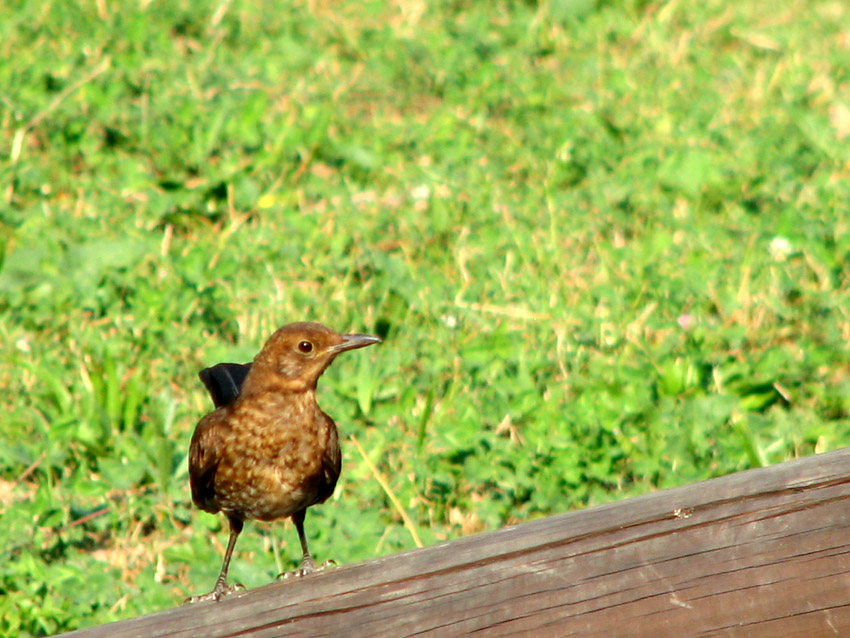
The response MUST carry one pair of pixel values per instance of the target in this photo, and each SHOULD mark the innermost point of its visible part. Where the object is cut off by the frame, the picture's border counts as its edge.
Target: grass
(606, 244)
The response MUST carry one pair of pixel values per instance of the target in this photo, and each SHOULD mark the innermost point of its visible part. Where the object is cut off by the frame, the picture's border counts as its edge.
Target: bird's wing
(331, 465)
(224, 381)
(204, 457)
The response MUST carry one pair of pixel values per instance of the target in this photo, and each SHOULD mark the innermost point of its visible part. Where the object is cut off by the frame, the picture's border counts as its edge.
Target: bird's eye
(305, 347)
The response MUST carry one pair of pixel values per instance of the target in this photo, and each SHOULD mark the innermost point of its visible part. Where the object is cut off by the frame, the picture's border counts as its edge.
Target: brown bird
(268, 451)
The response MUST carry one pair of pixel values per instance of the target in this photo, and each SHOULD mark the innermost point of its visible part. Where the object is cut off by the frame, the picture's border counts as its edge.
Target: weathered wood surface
(759, 553)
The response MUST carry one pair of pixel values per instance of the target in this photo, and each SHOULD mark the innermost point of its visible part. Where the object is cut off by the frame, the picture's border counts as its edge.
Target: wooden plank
(760, 553)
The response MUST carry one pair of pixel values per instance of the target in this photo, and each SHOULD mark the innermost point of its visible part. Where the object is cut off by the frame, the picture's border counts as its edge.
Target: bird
(267, 450)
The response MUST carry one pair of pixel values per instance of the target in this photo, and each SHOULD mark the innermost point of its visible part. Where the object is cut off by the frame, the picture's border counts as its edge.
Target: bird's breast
(272, 466)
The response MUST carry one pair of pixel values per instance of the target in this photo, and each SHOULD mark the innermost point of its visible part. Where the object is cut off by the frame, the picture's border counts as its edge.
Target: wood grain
(762, 553)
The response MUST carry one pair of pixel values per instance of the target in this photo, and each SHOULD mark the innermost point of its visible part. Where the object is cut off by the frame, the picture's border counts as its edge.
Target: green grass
(606, 244)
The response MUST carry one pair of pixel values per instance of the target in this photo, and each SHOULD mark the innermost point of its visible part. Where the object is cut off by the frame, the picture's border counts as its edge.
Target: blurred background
(606, 245)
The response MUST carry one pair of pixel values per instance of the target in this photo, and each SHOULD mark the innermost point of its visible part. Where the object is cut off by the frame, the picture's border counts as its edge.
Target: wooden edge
(764, 552)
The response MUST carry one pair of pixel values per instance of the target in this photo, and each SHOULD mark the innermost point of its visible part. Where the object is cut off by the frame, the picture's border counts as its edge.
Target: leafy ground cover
(606, 244)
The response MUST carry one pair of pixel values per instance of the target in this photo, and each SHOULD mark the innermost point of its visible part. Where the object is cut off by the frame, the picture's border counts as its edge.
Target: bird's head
(297, 354)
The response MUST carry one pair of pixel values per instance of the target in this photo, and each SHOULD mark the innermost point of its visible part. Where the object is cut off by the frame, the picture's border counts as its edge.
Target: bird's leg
(307, 565)
(221, 587)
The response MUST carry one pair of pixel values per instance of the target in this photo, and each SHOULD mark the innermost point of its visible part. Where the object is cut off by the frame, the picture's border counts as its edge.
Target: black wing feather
(224, 381)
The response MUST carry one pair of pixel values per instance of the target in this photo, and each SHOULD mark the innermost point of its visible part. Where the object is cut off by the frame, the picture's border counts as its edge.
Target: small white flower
(450, 321)
(421, 193)
(686, 322)
(780, 248)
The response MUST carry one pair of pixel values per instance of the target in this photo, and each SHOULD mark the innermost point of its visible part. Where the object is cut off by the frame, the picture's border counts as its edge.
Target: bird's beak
(352, 342)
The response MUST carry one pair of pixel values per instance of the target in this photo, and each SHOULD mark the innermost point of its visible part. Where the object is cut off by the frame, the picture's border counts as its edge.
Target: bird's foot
(221, 589)
(307, 567)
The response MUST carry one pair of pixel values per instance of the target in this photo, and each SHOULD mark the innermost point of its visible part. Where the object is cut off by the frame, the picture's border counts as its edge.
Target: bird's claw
(215, 595)
(307, 567)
